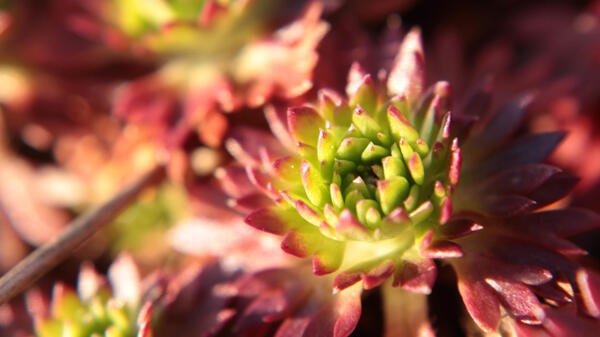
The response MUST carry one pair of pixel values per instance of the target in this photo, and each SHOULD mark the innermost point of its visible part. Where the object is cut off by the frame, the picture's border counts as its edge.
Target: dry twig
(44, 258)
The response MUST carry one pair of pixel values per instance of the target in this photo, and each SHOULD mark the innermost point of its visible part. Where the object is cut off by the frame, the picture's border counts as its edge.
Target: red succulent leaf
(564, 323)
(455, 163)
(442, 250)
(273, 305)
(478, 101)
(277, 118)
(480, 300)
(519, 180)
(502, 124)
(407, 77)
(250, 202)
(339, 317)
(195, 285)
(520, 252)
(562, 222)
(356, 76)
(296, 244)
(559, 322)
(478, 275)
(527, 274)
(416, 276)
(295, 325)
(261, 181)
(458, 228)
(327, 260)
(538, 228)
(146, 101)
(372, 274)
(268, 220)
(234, 181)
(528, 150)
(89, 281)
(554, 189)
(589, 285)
(379, 274)
(346, 279)
(246, 143)
(518, 299)
(553, 293)
(507, 205)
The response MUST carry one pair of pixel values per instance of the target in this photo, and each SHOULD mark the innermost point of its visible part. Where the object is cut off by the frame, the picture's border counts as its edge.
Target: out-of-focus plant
(211, 57)
(142, 226)
(95, 309)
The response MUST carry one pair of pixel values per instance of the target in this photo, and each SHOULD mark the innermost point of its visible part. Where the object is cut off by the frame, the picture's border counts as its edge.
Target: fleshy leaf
(339, 317)
(416, 276)
(400, 126)
(304, 124)
(482, 304)
(391, 192)
(528, 150)
(503, 123)
(518, 300)
(268, 220)
(407, 77)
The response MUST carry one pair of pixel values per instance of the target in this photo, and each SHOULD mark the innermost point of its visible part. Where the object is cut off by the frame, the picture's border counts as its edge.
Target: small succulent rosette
(95, 309)
(378, 184)
(209, 57)
(363, 179)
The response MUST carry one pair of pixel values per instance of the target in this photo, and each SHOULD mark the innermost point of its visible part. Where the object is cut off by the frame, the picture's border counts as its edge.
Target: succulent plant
(177, 26)
(210, 57)
(380, 184)
(370, 176)
(95, 310)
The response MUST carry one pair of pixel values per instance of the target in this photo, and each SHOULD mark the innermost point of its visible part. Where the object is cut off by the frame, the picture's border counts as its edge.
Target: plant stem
(46, 257)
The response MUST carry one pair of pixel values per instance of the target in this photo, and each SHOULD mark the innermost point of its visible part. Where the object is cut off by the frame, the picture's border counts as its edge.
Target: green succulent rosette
(95, 310)
(197, 26)
(364, 181)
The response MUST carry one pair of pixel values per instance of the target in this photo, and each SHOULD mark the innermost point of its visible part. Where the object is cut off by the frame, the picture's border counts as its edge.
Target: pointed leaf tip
(350, 227)
(355, 77)
(338, 317)
(400, 127)
(295, 244)
(407, 77)
(365, 94)
(480, 301)
(328, 260)
(304, 124)
(266, 219)
(443, 250)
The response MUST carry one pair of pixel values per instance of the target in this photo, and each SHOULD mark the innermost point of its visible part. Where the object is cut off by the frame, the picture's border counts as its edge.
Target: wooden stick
(46, 257)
